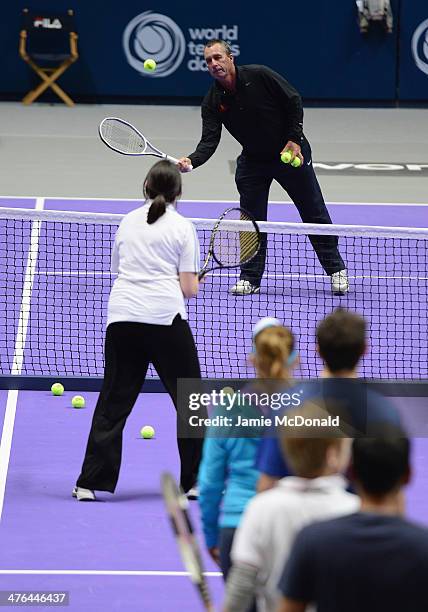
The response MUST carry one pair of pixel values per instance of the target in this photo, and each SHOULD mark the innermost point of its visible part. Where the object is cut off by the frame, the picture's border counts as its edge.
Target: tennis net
(55, 281)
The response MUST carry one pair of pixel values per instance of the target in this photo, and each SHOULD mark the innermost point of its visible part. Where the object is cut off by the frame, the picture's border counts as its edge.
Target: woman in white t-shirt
(156, 258)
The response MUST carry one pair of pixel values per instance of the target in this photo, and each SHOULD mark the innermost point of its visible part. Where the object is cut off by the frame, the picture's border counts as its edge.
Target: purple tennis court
(61, 268)
(119, 553)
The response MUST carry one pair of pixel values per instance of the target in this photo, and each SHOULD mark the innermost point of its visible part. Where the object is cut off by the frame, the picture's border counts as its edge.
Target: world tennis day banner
(320, 51)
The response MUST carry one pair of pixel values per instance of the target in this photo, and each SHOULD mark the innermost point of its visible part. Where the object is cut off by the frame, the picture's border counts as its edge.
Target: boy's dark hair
(380, 465)
(341, 338)
(162, 185)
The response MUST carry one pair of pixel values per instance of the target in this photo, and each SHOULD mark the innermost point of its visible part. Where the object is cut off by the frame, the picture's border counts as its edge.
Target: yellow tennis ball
(286, 157)
(147, 432)
(150, 65)
(78, 401)
(57, 389)
(296, 163)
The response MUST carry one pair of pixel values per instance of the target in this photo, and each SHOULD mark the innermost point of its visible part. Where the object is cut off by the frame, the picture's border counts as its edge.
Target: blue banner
(413, 56)
(317, 46)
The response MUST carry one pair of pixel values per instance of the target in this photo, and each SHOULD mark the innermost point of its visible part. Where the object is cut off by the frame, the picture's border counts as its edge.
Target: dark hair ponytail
(156, 209)
(162, 185)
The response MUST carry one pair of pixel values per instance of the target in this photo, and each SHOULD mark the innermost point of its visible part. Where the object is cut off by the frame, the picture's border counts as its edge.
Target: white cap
(264, 324)
(271, 322)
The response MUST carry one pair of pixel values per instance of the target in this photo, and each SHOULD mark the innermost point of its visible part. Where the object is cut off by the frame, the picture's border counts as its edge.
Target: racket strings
(249, 243)
(233, 247)
(122, 137)
(226, 247)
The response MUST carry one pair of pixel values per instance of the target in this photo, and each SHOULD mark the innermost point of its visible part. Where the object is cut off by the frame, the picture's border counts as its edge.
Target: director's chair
(48, 43)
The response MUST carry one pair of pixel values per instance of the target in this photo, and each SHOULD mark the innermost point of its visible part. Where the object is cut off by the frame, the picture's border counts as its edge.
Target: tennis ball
(286, 157)
(228, 391)
(57, 389)
(78, 401)
(147, 432)
(150, 65)
(296, 163)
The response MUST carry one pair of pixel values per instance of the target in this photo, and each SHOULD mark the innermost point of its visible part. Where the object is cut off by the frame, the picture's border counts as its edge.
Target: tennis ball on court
(57, 389)
(78, 401)
(286, 157)
(150, 65)
(296, 163)
(147, 432)
(228, 391)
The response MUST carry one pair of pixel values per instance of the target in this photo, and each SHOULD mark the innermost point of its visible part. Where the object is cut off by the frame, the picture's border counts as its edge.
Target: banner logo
(154, 36)
(420, 46)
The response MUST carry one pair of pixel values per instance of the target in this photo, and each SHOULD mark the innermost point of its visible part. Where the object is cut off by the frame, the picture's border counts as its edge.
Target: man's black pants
(129, 348)
(253, 180)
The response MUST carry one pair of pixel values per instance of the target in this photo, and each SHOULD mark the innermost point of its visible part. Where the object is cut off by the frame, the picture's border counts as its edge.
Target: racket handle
(174, 160)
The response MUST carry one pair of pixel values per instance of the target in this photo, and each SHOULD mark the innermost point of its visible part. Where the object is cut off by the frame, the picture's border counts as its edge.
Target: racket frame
(211, 254)
(154, 151)
(177, 504)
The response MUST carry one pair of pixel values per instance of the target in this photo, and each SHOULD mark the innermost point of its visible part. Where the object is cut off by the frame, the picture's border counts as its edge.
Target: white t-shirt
(147, 259)
(273, 518)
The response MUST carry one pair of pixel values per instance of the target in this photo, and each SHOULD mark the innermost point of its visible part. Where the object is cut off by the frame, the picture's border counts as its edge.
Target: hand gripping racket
(124, 138)
(176, 504)
(229, 246)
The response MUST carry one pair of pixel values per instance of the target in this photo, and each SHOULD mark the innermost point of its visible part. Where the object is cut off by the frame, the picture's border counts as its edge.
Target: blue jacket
(227, 480)
(228, 475)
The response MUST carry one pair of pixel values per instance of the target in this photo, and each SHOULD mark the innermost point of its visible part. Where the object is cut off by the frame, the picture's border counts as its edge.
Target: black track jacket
(263, 114)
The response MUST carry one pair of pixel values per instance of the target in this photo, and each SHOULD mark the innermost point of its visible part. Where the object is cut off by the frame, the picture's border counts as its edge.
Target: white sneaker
(244, 287)
(339, 282)
(83, 494)
(193, 493)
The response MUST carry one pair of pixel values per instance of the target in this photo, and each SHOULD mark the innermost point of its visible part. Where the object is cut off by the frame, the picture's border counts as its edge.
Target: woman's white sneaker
(83, 494)
(193, 493)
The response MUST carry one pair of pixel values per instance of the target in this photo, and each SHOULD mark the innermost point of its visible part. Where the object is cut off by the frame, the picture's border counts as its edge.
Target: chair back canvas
(48, 35)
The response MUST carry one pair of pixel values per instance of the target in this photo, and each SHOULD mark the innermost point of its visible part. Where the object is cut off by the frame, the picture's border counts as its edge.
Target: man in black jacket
(264, 113)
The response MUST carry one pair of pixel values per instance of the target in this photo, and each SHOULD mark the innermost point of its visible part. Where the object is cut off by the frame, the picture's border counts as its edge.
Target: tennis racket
(124, 138)
(177, 504)
(229, 248)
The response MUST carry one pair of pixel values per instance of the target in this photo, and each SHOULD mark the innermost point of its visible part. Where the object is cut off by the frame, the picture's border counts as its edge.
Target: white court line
(6, 442)
(184, 201)
(18, 357)
(101, 572)
(326, 277)
(228, 274)
(27, 289)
